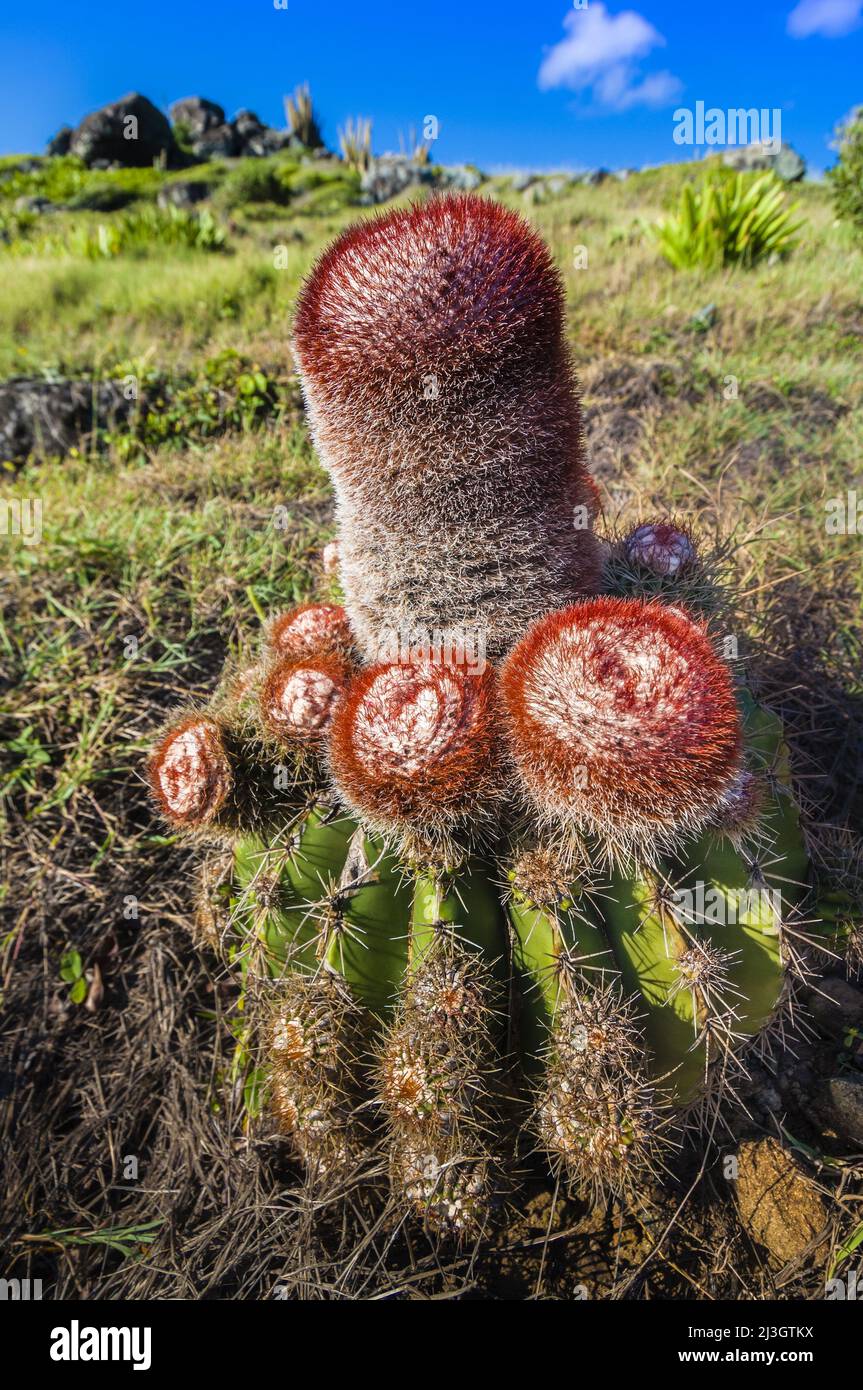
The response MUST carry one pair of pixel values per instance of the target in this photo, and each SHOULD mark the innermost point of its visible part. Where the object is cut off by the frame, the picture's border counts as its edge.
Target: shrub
(729, 220)
(256, 181)
(846, 176)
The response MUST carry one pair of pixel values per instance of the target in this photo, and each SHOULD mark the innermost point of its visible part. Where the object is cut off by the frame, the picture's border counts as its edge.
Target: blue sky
(545, 84)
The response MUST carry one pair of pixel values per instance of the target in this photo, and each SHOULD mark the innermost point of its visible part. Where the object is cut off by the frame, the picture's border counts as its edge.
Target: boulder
(219, 142)
(461, 178)
(786, 162)
(33, 203)
(131, 132)
(60, 143)
(197, 115)
(521, 182)
(259, 143)
(47, 418)
(246, 124)
(390, 175)
(184, 193)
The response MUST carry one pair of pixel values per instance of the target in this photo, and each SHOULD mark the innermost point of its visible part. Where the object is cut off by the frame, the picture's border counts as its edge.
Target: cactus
(568, 891)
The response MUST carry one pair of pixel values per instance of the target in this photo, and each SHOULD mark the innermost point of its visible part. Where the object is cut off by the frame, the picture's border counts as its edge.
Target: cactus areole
(497, 829)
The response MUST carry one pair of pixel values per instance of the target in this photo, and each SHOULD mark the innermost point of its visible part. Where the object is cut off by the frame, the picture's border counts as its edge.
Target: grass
(154, 566)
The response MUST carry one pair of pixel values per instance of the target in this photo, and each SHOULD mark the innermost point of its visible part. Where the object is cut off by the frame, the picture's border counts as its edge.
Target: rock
(34, 203)
(390, 175)
(786, 162)
(835, 1004)
(521, 182)
(219, 142)
(131, 131)
(595, 176)
(845, 1106)
(623, 174)
(461, 178)
(266, 141)
(704, 319)
(183, 194)
(778, 1204)
(197, 115)
(557, 184)
(60, 143)
(246, 123)
(46, 418)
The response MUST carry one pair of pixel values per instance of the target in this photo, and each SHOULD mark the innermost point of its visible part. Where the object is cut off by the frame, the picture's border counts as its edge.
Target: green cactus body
(470, 904)
(541, 939)
(645, 927)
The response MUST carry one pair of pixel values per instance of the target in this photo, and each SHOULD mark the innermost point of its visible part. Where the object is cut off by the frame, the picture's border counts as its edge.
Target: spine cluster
(595, 1116)
(434, 1079)
(316, 1036)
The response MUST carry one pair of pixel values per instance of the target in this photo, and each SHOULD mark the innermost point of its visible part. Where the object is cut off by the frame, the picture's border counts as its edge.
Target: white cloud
(601, 53)
(830, 18)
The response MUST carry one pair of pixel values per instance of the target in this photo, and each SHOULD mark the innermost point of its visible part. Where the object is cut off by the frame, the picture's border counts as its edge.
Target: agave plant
(728, 221)
(505, 824)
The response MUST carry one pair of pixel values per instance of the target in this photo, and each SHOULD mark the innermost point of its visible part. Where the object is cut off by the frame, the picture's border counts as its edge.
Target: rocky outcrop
(390, 174)
(212, 136)
(786, 162)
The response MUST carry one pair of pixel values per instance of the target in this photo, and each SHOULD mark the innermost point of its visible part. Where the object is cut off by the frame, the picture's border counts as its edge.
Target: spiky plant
(585, 868)
(355, 143)
(302, 119)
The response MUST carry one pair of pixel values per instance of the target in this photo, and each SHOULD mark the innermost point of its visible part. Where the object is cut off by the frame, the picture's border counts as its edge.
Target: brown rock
(779, 1205)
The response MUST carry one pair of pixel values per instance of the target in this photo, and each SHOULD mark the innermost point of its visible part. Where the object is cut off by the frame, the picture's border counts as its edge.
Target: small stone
(779, 1205)
(836, 1007)
(845, 1103)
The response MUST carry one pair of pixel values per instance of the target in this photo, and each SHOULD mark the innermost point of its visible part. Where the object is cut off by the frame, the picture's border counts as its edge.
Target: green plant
(736, 220)
(571, 889)
(846, 176)
(232, 392)
(301, 117)
(355, 143)
(146, 229)
(72, 974)
(256, 181)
